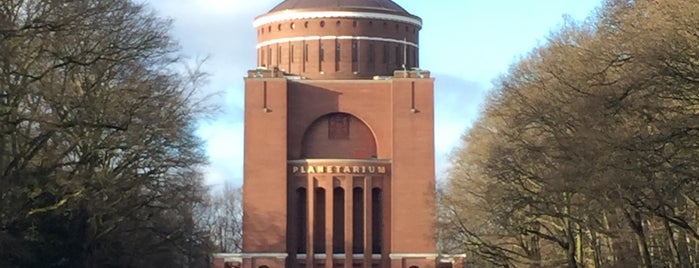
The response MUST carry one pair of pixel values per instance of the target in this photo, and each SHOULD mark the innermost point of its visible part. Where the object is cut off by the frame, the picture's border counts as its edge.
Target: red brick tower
(339, 140)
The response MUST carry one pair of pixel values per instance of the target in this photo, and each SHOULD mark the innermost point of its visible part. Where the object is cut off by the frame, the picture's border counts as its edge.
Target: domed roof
(387, 6)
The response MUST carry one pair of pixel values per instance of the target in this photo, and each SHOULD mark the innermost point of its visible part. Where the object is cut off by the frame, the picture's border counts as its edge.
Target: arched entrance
(337, 191)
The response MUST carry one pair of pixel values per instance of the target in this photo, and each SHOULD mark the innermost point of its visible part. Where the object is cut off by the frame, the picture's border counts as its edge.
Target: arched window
(377, 220)
(339, 220)
(319, 216)
(358, 220)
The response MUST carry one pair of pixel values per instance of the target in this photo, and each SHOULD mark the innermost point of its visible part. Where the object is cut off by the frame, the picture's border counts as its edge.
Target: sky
(465, 44)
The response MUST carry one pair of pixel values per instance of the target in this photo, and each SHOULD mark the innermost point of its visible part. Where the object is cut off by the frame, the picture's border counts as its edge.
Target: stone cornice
(301, 15)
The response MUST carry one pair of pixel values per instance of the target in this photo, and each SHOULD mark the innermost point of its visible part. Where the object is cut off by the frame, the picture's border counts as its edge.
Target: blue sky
(466, 44)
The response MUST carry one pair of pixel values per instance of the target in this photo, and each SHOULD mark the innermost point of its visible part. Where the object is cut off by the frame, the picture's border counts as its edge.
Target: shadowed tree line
(99, 166)
(587, 151)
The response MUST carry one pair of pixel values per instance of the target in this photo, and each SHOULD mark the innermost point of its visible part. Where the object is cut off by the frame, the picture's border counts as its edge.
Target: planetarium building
(339, 140)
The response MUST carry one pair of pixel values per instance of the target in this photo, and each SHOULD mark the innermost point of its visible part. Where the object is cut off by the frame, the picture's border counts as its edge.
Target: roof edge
(299, 14)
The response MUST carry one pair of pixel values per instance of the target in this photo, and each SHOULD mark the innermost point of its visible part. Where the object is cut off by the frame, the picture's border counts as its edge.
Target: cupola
(338, 39)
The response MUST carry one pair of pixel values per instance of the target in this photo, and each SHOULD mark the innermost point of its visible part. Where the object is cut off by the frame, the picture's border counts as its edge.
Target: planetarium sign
(303, 167)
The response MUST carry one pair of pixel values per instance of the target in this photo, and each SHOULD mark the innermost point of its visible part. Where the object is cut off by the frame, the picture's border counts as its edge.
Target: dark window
(338, 48)
(291, 57)
(319, 228)
(321, 53)
(398, 54)
(358, 221)
(355, 53)
(385, 54)
(372, 53)
(415, 58)
(377, 220)
(338, 126)
(279, 55)
(269, 57)
(322, 23)
(339, 221)
(262, 57)
(338, 56)
(305, 52)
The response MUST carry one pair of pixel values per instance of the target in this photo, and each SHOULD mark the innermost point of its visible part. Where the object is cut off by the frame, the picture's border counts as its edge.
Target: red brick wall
(314, 68)
(264, 220)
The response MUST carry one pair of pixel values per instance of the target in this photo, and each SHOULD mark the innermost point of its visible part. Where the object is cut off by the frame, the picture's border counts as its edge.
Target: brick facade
(339, 152)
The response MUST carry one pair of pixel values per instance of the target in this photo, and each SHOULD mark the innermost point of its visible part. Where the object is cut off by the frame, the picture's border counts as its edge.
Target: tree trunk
(579, 246)
(596, 248)
(636, 223)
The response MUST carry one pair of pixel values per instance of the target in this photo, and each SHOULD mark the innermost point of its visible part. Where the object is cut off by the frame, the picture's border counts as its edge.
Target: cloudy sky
(466, 44)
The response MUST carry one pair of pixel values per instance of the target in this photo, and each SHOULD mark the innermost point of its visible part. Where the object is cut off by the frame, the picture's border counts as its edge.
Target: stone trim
(289, 16)
(229, 257)
(337, 256)
(333, 37)
(266, 255)
(398, 256)
(328, 160)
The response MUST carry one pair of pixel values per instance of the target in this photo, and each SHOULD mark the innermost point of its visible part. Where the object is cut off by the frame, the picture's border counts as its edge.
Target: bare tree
(585, 154)
(98, 163)
(222, 217)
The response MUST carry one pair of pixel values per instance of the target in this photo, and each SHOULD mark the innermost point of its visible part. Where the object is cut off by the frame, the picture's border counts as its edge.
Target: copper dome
(387, 6)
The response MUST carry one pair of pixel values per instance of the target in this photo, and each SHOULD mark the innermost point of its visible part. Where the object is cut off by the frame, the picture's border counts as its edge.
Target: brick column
(349, 192)
(367, 223)
(329, 207)
(310, 201)
(219, 263)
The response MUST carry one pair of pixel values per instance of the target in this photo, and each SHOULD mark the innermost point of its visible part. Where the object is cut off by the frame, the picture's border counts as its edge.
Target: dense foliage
(587, 151)
(98, 160)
